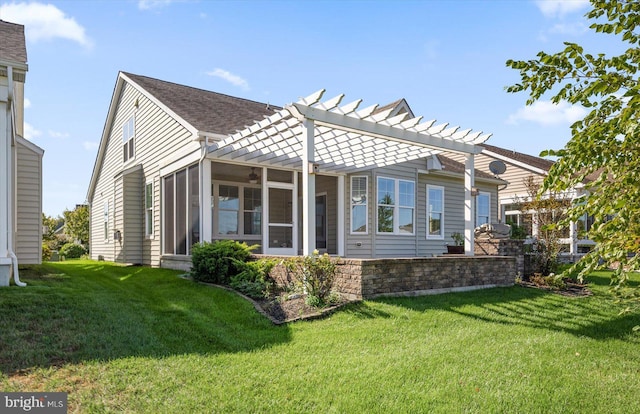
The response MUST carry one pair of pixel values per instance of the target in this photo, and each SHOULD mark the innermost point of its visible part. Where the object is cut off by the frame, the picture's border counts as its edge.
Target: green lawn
(139, 340)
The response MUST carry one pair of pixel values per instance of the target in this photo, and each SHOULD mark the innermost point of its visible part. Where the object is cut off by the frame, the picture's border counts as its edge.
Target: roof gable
(206, 111)
(528, 160)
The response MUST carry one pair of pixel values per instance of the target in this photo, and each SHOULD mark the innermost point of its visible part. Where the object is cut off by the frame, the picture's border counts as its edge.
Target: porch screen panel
(169, 227)
(280, 218)
(194, 206)
(181, 212)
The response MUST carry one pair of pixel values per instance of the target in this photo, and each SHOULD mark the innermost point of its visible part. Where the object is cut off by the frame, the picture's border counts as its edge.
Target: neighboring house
(519, 168)
(20, 163)
(179, 165)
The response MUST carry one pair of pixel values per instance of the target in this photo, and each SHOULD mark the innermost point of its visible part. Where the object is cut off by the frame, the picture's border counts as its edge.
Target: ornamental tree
(604, 145)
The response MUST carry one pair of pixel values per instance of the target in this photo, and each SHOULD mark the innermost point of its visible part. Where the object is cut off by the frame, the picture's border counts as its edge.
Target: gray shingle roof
(207, 111)
(453, 166)
(537, 162)
(12, 43)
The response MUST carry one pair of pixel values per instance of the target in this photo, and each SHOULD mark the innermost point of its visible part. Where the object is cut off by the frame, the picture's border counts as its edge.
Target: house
(520, 168)
(20, 163)
(179, 165)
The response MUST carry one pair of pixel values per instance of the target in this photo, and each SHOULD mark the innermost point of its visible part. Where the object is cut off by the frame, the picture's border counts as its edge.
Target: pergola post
(341, 219)
(308, 188)
(469, 204)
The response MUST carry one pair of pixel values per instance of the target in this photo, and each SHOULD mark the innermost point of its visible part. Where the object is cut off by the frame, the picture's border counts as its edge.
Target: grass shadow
(81, 310)
(596, 317)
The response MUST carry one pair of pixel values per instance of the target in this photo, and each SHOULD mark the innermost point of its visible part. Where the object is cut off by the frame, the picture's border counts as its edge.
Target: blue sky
(446, 58)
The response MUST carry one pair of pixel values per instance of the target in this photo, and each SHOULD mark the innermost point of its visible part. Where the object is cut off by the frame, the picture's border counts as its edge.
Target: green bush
(72, 251)
(217, 262)
(316, 273)
(254, 279)
(46, 252)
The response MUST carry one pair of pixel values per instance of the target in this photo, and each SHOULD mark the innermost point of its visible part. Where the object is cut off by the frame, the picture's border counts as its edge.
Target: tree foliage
(77, 224)
(603, 153)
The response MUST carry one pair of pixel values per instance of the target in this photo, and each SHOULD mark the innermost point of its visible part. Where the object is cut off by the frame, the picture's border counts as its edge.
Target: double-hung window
(483, 208)
(396, 205)
(238, 210)
(128, 139)
(148, 209)
(435, 212)
(359, 206)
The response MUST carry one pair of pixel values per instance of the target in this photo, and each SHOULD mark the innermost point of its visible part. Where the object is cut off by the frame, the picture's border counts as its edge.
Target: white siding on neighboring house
(28, 240)
(158, 138)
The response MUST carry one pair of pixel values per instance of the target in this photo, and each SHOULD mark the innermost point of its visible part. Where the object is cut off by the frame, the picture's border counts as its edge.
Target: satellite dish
(497, 167)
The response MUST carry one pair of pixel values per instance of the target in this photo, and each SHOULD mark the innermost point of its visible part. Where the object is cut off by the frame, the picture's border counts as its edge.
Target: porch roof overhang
(346, 139)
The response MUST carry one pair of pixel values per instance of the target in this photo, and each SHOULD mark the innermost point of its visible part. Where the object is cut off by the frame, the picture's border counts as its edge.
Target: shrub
(316, 273)
(217, 262)
(46, 252)
(254, 279)
(72, 251)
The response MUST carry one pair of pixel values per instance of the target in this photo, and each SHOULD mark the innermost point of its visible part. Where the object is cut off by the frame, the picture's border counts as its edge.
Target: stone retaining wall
(502, 247)
(370, 278)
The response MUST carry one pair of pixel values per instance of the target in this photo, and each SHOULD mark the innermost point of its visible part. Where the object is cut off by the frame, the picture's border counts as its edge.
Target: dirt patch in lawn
(572, 288)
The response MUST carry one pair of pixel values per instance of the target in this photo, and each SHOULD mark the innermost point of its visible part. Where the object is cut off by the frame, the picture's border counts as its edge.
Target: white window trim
(442, 224)
(366, 205)
(397, 207)
(147, 209)
(131, 138)
(483, 193)
(215, 208)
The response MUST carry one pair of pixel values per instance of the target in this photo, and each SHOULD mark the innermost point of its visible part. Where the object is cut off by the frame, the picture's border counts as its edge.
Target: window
(396, 202)
(359, 207)
(483, 208)
(148, 209)
(106, 221)
(128, 139)
(181, 207)
(237, 210)
(435, 212)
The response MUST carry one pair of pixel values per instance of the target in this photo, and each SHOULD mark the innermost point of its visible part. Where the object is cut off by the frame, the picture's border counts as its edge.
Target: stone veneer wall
(502, 247)
(370, 278)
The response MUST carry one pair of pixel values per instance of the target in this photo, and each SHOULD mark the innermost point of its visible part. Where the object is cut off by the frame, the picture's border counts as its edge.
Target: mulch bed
(289, 308)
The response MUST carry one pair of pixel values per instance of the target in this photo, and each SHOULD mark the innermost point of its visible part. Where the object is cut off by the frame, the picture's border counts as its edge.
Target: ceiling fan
(253, 177)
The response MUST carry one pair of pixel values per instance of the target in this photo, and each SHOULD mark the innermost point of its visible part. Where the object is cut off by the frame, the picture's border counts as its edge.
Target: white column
(573, 236)
(469, 204)
(206, 221)
(308, 189)
(341, 210)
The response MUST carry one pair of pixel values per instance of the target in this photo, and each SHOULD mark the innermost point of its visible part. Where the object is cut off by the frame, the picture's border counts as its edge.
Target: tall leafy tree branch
(603, 153)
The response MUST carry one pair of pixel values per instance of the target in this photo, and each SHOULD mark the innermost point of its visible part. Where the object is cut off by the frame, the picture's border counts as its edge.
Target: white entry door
(281, 235)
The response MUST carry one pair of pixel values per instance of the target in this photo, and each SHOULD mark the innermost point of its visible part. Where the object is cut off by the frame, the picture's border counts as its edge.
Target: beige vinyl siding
(132, 217)
(29, 205)
(387, 246)
(158, 137)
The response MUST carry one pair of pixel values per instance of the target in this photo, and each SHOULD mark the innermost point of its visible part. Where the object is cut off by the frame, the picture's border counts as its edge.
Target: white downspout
(11, 183)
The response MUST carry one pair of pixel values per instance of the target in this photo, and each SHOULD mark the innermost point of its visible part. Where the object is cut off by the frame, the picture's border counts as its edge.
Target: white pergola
(326, 137)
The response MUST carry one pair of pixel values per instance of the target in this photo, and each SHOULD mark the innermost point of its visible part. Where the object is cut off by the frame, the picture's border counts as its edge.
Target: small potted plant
(458, 244)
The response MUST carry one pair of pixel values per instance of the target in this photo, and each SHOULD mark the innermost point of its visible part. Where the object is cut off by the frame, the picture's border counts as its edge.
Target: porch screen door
(280, 224)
